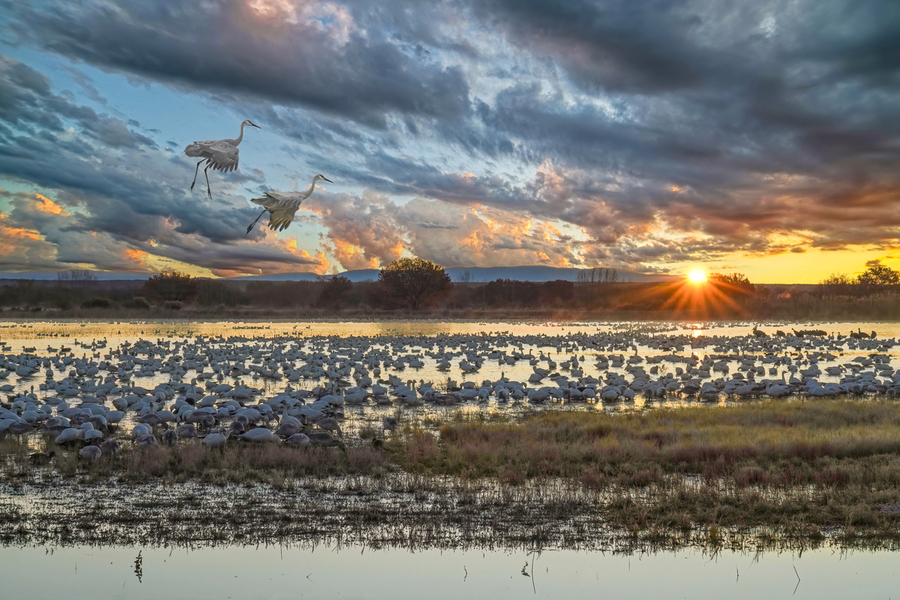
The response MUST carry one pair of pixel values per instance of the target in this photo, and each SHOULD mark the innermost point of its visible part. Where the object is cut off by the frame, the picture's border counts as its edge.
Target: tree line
(418, 285)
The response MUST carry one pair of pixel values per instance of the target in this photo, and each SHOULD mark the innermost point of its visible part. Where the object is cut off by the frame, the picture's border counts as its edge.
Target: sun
(697, 276)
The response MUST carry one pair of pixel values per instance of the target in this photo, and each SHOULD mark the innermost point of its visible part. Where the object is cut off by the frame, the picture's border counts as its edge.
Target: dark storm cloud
(746, 108)
(259, 49)
(615, 44)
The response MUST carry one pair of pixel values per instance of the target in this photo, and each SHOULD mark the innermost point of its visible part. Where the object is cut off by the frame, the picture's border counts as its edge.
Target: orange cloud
(19, 232)
(352, 256)
(321, 262)
(46, 205)
(12, 239)
(135, 255)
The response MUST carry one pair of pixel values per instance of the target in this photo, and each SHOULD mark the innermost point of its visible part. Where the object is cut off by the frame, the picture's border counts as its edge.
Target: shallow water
(534, 338)
(234, 571)
(277, 572)
(47, 338)
(24, 333)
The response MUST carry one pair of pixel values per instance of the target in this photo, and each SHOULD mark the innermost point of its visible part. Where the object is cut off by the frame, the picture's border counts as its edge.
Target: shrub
(218, 294)
(173, 305)
(138, 302)
(96, 303)
(335, 292)
(172, 285)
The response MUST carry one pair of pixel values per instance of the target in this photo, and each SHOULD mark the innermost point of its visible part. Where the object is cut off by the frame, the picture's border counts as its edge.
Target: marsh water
(301, 568)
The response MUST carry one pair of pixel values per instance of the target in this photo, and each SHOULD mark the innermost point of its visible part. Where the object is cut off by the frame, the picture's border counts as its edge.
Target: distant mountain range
(457, 274)
(471, 274)
(98, 275)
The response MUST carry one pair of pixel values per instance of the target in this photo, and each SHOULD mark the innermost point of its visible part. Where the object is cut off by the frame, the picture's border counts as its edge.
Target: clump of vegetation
(96, 303)
(336, 292)
(137, 302)
(876, 276)
(76, 277)
(239, 462)
(694, 441)
(173, 305)
(172, 285)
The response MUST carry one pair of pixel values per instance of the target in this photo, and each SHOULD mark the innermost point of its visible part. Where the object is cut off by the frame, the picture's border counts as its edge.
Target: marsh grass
(797, 470)
(797, 466)
(694, 441)
(276, 465)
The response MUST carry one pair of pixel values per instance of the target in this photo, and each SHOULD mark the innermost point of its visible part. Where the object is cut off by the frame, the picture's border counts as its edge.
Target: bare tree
(598, 275)
(76, 277)
(464, 276)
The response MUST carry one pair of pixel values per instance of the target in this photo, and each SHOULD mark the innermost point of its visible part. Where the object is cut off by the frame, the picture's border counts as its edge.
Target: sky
(661, 136)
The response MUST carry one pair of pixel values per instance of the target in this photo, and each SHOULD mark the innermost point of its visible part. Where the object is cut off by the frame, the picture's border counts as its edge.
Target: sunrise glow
(697, 276)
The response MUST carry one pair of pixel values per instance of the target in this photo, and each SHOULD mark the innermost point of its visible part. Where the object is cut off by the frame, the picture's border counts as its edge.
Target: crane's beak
(328, 180)
(257, 126)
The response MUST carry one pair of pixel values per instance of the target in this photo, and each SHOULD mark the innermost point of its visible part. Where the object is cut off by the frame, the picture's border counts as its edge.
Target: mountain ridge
(533, 273)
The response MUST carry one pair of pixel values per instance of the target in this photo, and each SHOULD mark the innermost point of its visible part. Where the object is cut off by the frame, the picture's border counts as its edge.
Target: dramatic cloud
(310, 53)
(119, 199)
(622, 133)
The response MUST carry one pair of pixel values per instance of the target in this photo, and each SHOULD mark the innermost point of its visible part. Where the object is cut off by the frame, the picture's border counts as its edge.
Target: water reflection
(277, 572)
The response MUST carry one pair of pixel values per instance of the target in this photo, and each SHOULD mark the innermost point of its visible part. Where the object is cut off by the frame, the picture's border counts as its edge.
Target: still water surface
(281, 573)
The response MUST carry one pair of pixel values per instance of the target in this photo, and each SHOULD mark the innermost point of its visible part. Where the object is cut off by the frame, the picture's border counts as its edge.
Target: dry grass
(700, 441)
(796, 466)
(799, 469)
(276, 465)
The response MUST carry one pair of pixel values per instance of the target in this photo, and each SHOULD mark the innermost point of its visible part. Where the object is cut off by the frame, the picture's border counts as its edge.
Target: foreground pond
(275, 572)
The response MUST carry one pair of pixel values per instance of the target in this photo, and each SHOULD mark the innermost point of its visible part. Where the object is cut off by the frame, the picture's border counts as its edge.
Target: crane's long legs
(254, 222)
(197, 170)
(208, 191)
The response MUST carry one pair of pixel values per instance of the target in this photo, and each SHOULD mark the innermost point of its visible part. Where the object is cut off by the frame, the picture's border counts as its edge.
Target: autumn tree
(414, 281)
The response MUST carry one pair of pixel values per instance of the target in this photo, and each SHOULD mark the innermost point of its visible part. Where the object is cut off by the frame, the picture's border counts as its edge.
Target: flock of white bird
(299, 391)
(224, 155)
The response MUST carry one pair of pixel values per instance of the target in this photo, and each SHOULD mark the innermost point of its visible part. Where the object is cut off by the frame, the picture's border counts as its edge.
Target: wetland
(533, 440)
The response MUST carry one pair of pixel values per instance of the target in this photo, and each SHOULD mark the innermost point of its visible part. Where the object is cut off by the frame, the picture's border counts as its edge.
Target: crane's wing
(222, 156)
(280, 218)
(200, 149)
(276, 200)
